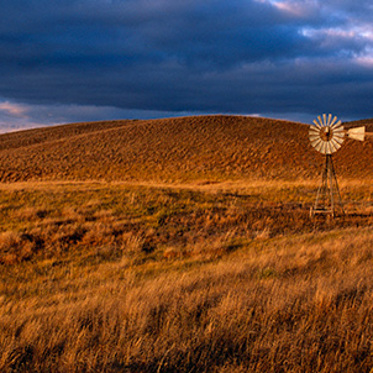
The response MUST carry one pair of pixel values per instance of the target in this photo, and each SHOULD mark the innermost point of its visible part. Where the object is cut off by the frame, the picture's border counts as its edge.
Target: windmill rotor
(327, 135)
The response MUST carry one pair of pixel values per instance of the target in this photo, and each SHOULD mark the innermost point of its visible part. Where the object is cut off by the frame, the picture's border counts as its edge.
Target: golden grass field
(213, 269)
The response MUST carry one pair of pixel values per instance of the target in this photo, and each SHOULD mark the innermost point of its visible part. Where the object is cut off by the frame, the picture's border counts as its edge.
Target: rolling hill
(145, 276)
(201, 148)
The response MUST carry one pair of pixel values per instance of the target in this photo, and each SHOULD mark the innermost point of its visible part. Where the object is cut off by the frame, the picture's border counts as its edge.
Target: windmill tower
(327, 136)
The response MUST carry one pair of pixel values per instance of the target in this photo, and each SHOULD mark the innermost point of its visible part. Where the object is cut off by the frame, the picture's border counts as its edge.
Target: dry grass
(114, 277)
(286, 306)
(44, 220)
(220, 271)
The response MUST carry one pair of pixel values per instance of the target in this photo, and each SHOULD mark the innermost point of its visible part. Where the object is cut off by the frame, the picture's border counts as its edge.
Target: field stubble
(209, 277)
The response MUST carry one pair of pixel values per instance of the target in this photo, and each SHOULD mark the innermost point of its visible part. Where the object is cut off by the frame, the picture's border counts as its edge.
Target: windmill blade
(323, 147)
(336, 125)
(333, 146)
(340, 137)
(314, 138)
(329, 119)
(315, 130)
(316, 124)
(316, 142)
(320, 121)
(339, 134)
(336, 145)
(357, 133)
(328, 148)
(313, 135)
(339, 129)
(324, 119)
(333, 121)
(318, 146)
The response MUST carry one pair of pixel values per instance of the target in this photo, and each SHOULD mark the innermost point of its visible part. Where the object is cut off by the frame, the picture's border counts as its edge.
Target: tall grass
(144, 279)
(289, 306)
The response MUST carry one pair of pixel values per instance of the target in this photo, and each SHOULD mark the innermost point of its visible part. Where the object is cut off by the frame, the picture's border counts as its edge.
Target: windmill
(327, 136)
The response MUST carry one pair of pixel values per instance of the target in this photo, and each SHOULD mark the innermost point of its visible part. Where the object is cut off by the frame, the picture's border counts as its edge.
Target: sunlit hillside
(210, 148)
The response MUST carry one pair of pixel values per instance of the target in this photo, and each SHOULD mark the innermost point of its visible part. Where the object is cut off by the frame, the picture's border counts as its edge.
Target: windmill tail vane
(358, 133)
(327, 136)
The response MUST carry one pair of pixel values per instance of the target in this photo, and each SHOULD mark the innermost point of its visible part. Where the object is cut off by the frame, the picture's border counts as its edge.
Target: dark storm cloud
(241, 56)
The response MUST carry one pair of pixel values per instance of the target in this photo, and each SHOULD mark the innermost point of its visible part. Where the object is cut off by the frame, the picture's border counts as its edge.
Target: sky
(82, 60)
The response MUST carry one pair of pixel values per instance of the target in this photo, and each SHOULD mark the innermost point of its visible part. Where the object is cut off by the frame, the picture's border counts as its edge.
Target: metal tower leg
(330, 177)
(338, 193)
(328, 191)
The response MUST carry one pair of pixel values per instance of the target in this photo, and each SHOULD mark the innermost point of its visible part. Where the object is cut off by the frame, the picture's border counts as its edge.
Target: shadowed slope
(190, 148)
(368, 123)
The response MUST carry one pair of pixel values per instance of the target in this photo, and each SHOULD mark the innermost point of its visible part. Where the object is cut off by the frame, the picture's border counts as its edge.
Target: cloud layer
(277, 58)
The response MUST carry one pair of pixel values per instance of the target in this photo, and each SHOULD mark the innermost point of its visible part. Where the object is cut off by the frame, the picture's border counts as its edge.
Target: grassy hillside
(182, 245)
(210, 148)
(113, 278)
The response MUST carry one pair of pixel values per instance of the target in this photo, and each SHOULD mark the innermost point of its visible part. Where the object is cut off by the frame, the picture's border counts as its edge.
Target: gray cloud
(243, 56)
